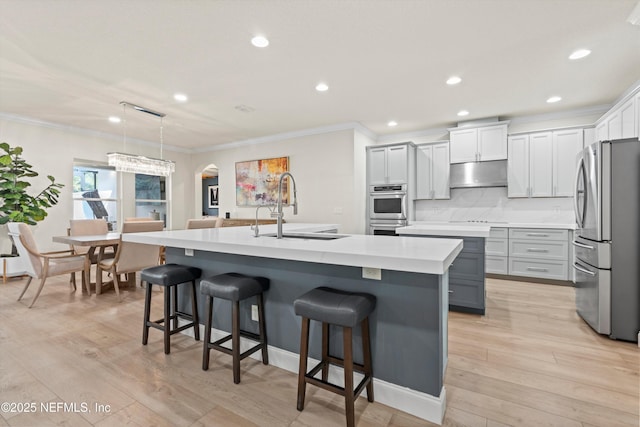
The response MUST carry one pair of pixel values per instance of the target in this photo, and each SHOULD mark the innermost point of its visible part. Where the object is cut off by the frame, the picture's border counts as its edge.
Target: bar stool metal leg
(167, 319)
(147, 314)
(207, 333)
(194, 312)
(325, 351)
(302, 370)
(263, 330)
(348, 376)
(366, 354)
(235, 340)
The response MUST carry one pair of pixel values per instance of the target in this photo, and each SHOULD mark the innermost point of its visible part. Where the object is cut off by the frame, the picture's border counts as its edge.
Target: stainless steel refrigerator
(607, 243)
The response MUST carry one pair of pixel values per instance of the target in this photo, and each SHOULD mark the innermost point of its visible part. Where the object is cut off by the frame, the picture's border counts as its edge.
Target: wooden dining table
(97, 242)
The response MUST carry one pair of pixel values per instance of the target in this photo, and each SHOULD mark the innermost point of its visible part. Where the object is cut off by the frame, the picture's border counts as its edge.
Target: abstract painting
(257, 181)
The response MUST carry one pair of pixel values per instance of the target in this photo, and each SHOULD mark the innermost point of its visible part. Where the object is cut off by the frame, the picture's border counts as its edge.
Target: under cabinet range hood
(478, 174)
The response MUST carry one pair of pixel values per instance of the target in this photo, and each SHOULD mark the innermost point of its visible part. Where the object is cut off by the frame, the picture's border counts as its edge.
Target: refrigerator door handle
(590, 273)
(581, 245)
(579, 217)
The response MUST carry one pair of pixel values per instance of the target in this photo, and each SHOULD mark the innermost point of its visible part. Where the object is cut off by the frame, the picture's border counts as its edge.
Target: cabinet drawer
(538, 234)
(467, 293)
(497, 247)
(539, 249)
(467, 266)
(499, 233)
(496, 264)
(545, 269)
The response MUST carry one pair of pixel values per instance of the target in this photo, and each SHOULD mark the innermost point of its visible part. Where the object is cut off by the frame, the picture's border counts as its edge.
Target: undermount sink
(307, 236)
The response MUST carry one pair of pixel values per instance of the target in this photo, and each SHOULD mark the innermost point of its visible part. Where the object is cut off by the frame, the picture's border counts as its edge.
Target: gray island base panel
(408, 326)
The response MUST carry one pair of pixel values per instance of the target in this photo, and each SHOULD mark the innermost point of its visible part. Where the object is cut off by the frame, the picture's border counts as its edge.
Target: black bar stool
(170, 276)
(345, 309)
(234, 287)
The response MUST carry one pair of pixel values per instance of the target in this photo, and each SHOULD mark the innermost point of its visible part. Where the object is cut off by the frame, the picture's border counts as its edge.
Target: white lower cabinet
(542, 253)
(497, 251)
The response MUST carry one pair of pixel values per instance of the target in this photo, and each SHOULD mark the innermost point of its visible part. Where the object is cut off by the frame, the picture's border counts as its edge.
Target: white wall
(52, 149)
(328, 169)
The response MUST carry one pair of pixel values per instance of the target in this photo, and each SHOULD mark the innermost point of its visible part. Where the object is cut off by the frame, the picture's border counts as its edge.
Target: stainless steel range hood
(479, 174)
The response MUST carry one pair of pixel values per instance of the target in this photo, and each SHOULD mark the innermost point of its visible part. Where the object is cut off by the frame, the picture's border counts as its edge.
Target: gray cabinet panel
(466, 294)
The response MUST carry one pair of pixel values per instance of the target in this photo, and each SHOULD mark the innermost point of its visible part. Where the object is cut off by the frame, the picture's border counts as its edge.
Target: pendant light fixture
(140, 164)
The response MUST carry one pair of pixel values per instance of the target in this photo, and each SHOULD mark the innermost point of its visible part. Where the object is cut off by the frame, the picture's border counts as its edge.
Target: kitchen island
(409, 280)
(467, 273)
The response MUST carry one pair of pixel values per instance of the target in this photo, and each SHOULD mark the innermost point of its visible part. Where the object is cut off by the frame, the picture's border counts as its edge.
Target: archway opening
(207, 191)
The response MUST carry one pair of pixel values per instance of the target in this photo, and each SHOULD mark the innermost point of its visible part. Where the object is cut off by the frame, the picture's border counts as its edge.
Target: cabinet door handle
(450, 291)
(541, 270)
(537, 250)
(537, 235)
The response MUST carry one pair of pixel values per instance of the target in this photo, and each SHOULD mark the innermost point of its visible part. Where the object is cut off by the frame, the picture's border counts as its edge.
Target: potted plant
(16, 204)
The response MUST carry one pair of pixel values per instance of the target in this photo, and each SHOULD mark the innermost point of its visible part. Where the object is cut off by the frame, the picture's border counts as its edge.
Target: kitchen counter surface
(446, 229)
(558, 225)
(431, 256)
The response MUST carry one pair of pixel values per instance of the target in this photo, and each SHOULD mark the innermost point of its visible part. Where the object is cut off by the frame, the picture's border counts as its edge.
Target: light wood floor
(529, 362)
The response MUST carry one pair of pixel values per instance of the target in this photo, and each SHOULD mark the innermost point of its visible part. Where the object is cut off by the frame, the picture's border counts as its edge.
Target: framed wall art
(213, 196)
(257, 181)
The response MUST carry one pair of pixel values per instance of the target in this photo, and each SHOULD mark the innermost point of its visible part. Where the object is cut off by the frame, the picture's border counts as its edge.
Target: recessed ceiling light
(180, 97)
(463, 113)
(114, 119)
(580, 53)
(453, 80)
(392, 123)
(260, 41)
(322, 87)
(554, 99)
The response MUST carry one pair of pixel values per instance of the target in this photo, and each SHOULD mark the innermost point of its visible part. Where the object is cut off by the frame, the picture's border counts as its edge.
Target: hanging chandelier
(131, 163)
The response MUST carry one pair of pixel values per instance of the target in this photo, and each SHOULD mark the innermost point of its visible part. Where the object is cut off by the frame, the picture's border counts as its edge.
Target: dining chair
(132, 257)
(211, 222)
(42, 265)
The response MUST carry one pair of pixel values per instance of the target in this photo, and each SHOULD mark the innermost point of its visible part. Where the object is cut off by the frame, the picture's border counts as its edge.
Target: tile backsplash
(492, 204)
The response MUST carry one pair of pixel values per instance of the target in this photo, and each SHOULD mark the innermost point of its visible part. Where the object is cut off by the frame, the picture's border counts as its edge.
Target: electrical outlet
(337, 211)
(188, 252)
(371, 273)
(254, 312)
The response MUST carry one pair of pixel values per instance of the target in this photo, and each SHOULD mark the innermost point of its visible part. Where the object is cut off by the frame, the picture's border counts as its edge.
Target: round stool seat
(169, 274)
(334, 306)
(233, 286)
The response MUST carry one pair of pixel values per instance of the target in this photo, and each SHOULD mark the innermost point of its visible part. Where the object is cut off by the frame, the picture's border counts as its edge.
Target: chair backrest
(23, 239)
(86, 227)
(136, 256)
(138, 218)
(211, 222)
(142, 226)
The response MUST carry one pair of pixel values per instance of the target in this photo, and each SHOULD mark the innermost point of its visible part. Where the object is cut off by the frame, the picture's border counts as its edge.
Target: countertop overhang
(503, 224)
(446, 229)
(430, 256)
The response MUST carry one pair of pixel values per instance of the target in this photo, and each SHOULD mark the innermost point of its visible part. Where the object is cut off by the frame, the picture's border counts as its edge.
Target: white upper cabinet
(566, 146)
(388, 165)
(432, 171)
(543, 164)
(622, 121)
(492, 143)
(478, 144)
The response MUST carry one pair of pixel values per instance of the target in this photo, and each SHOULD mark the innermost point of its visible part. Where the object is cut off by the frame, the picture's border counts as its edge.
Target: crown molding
(83, 131)
(354, 126)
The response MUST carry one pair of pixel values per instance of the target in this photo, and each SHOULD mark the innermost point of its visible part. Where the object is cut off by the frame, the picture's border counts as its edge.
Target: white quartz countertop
(554, 225)
(431, 256)
(446, 229)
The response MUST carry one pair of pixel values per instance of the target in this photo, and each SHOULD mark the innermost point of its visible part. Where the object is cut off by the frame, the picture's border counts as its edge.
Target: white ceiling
(71, 62)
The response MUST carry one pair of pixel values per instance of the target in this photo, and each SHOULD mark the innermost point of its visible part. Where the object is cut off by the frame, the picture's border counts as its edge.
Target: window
(151, 197)
(95, 192)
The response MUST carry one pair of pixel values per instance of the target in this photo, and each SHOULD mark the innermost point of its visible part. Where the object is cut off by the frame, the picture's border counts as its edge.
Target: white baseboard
(419, 404)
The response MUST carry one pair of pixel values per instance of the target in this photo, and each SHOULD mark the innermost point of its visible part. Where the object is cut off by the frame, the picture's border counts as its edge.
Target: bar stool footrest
(310, 378)
(217, 345)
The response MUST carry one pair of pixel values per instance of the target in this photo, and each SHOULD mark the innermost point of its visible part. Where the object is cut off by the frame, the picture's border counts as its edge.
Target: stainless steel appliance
(386, 228)
(607, 244)
(478, 174)
(388, 202)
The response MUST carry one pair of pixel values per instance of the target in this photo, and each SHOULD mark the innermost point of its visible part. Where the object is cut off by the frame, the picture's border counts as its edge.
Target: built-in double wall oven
(388, 208)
